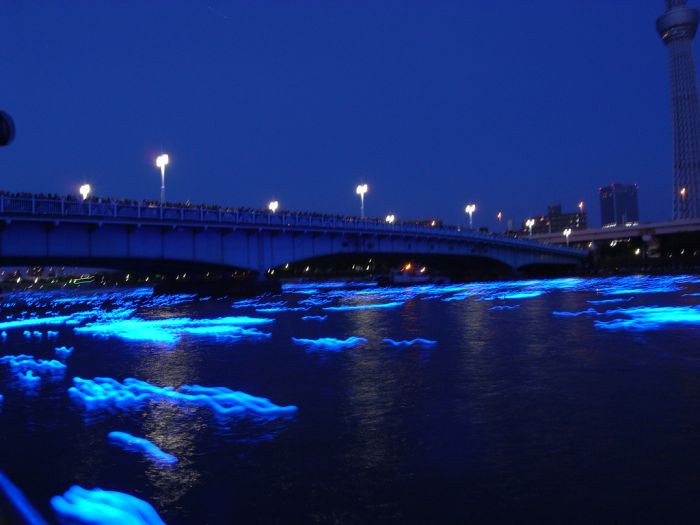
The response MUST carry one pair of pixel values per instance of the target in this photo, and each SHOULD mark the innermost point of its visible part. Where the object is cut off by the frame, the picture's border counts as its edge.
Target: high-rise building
(556, 222)
(619, 205)
(677, 27)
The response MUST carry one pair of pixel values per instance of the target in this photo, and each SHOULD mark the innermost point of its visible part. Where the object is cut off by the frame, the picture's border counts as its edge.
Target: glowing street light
(566, 233)
(273, 206)
(361, 190)
(470, 209)
(390, 218)
(499, 216)
(683, 192)
(580, 207)
(84, 191)
(530, 223)
(161, 162)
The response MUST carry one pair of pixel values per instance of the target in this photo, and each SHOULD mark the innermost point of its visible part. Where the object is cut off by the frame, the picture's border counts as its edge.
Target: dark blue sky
(512, 105)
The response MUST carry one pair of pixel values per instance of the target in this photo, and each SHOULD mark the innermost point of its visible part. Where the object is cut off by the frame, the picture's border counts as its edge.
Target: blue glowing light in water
(34, 321)
(505, 307)
(314, 318)
(27, 362)
(142, 446)
(171, 329)
(589, 311)
(392, 304)
(19, 503)
(411, 342)
(329, 343)
(315, 302)
(609, 301)
(457, 297)
(101, 392)
(245, 303)
(28, 377)
(514, 295)
(535, 288)
(276, 309)
(642, 284)
(650, 317)
(103, 507)
(63, 351)
(298, 287)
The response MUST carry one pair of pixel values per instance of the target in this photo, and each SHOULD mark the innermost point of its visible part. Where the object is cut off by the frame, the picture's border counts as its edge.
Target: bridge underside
(175, 248)
(453, 266)
(153, 266)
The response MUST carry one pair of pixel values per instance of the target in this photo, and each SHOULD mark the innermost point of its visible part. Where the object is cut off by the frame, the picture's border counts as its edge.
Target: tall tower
(677, 29)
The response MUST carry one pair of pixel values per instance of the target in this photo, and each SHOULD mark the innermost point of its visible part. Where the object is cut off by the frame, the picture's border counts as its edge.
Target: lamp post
(390, 218)
(566, 233)
(84, 191)
(470, 209)
(580, 207)
(530, 223)
(683, 192)
(361, 190)
(161, 162)
(273, 206)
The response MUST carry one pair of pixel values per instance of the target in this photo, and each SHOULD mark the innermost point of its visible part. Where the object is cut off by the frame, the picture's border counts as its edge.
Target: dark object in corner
(7, 129)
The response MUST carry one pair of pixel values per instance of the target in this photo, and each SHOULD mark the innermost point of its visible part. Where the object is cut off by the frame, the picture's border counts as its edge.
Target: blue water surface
(563, 400)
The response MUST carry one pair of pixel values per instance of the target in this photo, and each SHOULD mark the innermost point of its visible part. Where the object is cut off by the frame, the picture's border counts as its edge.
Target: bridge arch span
(124, 236)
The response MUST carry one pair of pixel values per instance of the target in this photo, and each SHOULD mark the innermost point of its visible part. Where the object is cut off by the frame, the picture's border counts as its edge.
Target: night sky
(510, 104)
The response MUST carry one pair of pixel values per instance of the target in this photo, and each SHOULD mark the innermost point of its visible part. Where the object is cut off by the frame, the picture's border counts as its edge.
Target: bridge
(642, 231)
(131, 234)
(670, 244)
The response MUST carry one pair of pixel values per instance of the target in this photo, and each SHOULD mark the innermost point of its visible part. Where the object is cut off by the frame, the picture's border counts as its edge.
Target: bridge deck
(99, 211)
(622, 232)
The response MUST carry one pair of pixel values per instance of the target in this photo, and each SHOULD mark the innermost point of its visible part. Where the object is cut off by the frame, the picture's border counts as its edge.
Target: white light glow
(162, 161)
(84, 191)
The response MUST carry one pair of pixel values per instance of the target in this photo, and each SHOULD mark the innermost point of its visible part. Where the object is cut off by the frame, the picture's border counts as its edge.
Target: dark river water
(570, 400)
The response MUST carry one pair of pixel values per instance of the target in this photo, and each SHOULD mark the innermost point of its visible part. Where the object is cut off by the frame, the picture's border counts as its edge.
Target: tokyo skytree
(677, 28)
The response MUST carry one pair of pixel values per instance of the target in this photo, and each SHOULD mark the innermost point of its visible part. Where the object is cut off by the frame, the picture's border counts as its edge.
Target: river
(566, 400)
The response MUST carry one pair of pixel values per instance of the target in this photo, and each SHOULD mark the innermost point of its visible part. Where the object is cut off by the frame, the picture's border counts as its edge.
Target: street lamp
(470, 209)
(161, 162)
(499, 216)
(273, 206)
(683, 192)
(361, 190)
(580, 207)
(390, 218)
(84, 191)
(530, 223)
(566, 233)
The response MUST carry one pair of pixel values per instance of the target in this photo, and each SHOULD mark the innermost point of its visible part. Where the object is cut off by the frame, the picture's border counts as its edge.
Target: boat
(410, 274)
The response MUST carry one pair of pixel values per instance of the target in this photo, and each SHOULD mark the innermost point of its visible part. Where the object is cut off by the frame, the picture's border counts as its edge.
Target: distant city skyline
(507, 106)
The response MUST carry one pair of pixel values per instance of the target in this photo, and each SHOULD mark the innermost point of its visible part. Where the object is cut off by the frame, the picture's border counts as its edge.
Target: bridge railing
(153, 212)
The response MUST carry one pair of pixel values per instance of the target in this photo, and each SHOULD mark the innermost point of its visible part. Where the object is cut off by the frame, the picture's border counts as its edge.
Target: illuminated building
(557, 221)
(619, 205)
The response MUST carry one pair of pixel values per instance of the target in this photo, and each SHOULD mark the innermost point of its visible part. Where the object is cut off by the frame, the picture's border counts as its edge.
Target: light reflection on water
(528, 382)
